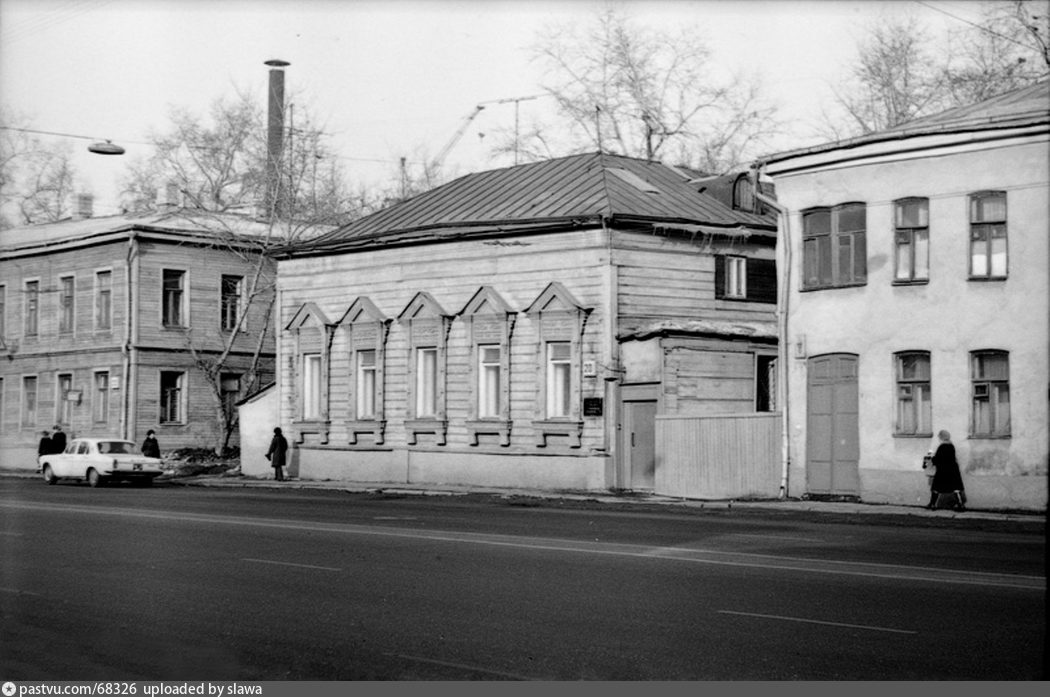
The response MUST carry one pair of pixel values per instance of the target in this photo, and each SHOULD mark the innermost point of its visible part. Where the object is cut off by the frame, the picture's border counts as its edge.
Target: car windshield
(114, 447)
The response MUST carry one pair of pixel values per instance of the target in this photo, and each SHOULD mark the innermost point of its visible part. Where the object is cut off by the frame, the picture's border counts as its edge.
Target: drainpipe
(612, 381)
(783, 238)
(128, 350)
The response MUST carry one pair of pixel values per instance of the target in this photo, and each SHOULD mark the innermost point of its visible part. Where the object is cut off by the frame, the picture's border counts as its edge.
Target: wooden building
(106, 321)
(523, 327)
(916, 266)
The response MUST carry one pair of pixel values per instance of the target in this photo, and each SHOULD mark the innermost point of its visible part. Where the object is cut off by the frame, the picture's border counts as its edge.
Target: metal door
(832, 431)
(640, 444)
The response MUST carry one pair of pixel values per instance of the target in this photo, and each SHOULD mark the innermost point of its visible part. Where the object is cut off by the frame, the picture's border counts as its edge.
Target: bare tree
(624, 87)
(36, 180)
(215, 169)
(1008, 49)
(895, 78)
(900, 73)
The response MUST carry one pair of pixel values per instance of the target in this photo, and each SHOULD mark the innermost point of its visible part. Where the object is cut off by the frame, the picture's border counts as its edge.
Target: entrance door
(639, 424)
(832, 433)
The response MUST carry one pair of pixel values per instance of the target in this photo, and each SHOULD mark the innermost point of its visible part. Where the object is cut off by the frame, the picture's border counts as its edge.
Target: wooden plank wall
(718, 457)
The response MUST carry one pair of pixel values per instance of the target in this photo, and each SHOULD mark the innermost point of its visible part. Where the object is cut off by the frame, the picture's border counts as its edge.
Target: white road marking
(288, 563)
(777, 538)
(460, 666)
(17, 591)
(698, 556)
(808, 621)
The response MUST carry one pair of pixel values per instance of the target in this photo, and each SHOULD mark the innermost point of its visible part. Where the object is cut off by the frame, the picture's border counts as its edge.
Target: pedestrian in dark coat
(44, 448)
(948, 479)
(276, 454)
(58, 440)
(150, 446)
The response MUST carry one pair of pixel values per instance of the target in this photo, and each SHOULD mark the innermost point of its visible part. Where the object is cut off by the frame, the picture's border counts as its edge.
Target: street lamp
(107, 148)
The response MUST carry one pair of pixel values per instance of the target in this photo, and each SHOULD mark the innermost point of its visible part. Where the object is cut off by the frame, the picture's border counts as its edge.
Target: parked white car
(99, 460)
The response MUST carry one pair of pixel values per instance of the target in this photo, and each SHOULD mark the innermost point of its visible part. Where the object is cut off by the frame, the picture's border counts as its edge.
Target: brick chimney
(84, 206)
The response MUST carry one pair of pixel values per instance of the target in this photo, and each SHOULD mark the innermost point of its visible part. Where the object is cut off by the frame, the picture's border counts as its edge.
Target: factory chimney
(275, 197)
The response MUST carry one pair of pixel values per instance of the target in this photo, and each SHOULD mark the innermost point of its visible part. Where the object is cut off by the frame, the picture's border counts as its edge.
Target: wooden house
(106, 321)
(916, 266)
(524, 327)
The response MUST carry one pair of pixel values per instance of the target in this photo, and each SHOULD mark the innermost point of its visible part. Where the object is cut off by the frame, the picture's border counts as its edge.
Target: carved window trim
(490, 322)
(312, 333)
(366, 329)
(428, 326)
(558, 317)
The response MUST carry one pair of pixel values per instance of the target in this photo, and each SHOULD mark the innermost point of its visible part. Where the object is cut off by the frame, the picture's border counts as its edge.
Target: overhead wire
(985, 29)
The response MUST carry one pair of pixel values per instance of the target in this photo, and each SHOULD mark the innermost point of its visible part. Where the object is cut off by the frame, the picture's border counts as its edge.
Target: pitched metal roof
(558, 194)
(1027, 106)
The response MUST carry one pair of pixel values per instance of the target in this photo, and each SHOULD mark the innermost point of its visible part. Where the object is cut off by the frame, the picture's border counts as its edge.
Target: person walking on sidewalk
(278, 448)
(947, 479)
(44, 447)
(58, 440)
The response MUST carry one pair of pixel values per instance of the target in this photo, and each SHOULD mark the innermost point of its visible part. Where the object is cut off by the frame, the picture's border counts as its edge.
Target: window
(63, 406)
(100, 411)
(366, 384)
(765, 383)
(743, 194)
(834, 251)
(2, 403)
(3, 311)
(489, 367)
(311, 386)
(230, 390)
(29, 401)
(914, 406)
(231, 302)
(426, 382)
(32, 318)
(736, 277)
(912, 240)
(745, 278)
(559, 383)
(988, 235)
(104, 300)
(171, 396)
(65, 305)
(172, 298)
(990, 373)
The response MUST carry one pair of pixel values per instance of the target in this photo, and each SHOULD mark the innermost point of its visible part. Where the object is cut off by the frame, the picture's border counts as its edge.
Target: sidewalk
(632, 498)
(1035, 518)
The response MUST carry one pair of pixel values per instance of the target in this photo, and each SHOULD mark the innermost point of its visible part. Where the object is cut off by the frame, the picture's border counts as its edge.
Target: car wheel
(49, 475)
(93, 478)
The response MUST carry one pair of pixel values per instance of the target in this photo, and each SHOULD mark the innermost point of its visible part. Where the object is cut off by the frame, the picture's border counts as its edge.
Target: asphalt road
(176, 583)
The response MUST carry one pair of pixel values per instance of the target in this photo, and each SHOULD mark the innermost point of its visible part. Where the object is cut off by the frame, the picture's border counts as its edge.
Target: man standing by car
(44, 448)
(58, 440)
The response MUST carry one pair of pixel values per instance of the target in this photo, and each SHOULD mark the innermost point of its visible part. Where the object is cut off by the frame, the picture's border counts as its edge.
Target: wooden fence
(735, 456)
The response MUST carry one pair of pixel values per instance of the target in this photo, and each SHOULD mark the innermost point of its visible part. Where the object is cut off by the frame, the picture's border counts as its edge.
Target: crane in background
(439, 159)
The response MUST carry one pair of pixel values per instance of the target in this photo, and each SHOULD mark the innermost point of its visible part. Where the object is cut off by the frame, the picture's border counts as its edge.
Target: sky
(387, 79)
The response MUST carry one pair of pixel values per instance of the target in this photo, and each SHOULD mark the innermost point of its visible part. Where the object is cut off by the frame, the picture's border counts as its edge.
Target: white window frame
(238, 305)
(990, 393)
(983, 234)
(736, 277)
(490, 381)
(182, 307)
(100, 396)
(559, 380)
(29, 409)
(67, 304)
(913, 397)
(426, 406)
(366, 371)
(312, 378)
(181, 387)
(911, 242)
(31, 314)
(103, 320)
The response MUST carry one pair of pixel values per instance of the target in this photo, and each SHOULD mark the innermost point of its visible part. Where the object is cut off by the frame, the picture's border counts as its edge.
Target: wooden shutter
(720, 277)
(761, 280)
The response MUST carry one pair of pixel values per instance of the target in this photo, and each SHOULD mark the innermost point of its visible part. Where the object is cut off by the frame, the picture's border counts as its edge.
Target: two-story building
(524, 327)
(915, 265)
(107, 322)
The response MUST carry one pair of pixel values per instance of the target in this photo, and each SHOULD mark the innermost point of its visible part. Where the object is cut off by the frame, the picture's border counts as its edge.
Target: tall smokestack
(275, 138)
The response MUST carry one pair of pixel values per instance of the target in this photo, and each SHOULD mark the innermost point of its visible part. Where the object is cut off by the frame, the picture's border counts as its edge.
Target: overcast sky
(388, 79)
